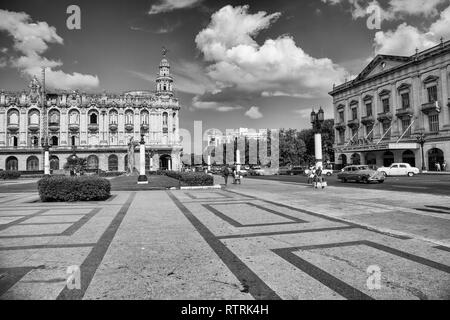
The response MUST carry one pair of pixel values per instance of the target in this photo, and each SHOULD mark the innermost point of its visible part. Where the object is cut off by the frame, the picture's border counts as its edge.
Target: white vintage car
(399, 169)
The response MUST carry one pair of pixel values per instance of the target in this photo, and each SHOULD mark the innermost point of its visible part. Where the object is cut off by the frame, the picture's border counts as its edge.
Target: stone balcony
(93, 127)
(340, 126)
(144, 127)
(33, 127)
(74, 127)
(129, 127)
(384, 116)
(404, 113)
(113, 127)
(13, 127)
(353, 123)
(368, 120)
(431, 107)
(53, 126)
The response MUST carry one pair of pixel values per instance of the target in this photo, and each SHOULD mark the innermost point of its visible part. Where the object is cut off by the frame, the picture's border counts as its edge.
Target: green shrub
(8, 175)
(191, 178)
(82, 188)
(110, 173)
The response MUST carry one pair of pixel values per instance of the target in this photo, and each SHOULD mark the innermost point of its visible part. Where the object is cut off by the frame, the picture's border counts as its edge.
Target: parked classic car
(296, 171)
(399, 169)
(360, 174)
(326, 172)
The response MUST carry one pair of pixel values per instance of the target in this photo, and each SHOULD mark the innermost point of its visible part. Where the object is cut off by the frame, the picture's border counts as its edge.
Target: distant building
(379, 114)
(96, 126)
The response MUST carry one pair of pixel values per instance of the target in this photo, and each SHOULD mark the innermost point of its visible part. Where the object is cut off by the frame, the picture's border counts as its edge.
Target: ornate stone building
(380, 115)
(96, 126)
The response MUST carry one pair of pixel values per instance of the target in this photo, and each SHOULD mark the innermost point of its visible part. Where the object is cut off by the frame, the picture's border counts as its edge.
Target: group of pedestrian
(441, 168)
(315, 177)
(228, 171)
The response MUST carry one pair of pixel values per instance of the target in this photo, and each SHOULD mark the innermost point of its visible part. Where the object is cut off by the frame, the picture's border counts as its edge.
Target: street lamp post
(420, 138)
(44, 140)
(317, 120)
(142, 179)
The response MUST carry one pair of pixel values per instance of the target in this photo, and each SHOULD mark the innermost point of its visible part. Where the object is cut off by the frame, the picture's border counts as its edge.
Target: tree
(76, 164)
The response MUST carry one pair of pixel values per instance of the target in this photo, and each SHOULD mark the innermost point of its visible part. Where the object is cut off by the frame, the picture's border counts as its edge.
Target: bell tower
(164, 81)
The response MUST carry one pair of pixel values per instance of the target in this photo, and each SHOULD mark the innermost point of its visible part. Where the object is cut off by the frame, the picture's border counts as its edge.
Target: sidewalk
(400, 213)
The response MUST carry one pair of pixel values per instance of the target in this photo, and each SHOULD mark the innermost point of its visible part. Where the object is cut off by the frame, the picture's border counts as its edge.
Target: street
(429, 184)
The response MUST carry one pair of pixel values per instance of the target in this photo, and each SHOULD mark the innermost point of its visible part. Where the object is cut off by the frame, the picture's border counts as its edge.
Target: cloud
(277, 66)
(254, 113)
(213, 105)
(170, 5)
(31, 40)
(405, 38)
(394, 10)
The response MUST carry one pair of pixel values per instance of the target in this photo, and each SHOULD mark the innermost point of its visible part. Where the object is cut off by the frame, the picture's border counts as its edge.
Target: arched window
(113, 163)
(144, 117)
(32, 163)
(34, 141)
(33, 117)
(408, 157)
(73, 140)
(12, 164)
(54, 140)
(54, 163)
(93, 118)
(54, 117)
(14, 141)
(13, 117)
(356, 159)
(129, 117)
(92, 162)
(113, 117)
(74, 117)
(165, 116)
(435, 156)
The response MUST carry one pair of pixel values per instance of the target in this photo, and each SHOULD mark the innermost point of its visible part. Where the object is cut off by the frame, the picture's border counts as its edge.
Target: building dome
(164, 63)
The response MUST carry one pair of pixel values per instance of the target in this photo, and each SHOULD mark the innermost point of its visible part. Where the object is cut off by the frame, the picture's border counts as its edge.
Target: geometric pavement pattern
(276, 251)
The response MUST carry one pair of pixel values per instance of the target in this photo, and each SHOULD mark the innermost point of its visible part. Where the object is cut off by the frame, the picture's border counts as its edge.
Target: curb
(216, 186)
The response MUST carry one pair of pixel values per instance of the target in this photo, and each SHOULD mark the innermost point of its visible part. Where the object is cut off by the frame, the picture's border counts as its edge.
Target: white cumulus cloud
(170, 5)
(278, 65)
(405, 38)
(31, 40)
(254, 113)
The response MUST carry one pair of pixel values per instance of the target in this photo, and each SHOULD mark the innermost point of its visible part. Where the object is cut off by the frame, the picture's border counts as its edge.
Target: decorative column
(318, 150)
(238, 160)
(142, 179)
(46, 160)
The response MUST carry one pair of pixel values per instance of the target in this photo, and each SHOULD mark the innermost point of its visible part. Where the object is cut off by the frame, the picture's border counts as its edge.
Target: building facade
(380, 115)
(98, 127)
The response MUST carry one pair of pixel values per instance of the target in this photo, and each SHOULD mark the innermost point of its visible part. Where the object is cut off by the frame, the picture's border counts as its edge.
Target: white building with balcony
(395, 99)
(96, 126)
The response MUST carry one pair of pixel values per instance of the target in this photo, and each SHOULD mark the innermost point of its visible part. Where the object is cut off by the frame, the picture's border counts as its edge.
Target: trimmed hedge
(8, 175)
(82, 188)
(191, 178)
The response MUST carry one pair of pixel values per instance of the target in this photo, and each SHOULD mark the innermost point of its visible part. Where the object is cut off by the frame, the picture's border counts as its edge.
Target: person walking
(444, 166)
(225, 174)
(318, 178)
(237, 177)
(438, 167)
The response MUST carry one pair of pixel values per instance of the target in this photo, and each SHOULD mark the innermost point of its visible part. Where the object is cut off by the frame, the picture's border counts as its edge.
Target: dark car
(295, 171)
(360, 174)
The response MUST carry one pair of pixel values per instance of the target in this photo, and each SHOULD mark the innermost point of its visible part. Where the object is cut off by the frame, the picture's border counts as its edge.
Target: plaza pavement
(258, 240)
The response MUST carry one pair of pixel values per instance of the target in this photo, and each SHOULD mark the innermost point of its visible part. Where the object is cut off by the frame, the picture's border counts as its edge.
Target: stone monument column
(142, 179)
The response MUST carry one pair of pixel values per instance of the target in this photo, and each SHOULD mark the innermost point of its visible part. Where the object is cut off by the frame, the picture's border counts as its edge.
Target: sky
(253, 64)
